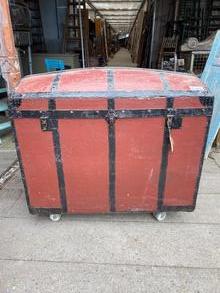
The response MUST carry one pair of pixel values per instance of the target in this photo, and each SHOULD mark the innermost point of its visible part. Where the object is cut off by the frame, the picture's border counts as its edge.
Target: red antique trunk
(111, 140)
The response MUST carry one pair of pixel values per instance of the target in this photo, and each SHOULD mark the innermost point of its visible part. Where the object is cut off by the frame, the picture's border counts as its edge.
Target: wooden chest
(111, 140)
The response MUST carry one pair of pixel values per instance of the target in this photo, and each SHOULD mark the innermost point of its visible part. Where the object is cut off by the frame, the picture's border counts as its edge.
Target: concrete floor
(111, 254)
(7, 152)
(118, 253)
(121, 59)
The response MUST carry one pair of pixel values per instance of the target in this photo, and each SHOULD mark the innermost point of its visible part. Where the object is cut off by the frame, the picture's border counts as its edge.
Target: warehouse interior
(158, 34)
(174, 35)
(124, 252)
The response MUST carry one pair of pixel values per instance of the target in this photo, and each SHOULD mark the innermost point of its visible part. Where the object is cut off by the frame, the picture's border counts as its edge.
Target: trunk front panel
(84, 148)
(138, 158)
(39, 163)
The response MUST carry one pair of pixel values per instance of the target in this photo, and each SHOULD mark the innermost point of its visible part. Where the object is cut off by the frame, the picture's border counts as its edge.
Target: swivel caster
(160, 216)
(55, 217)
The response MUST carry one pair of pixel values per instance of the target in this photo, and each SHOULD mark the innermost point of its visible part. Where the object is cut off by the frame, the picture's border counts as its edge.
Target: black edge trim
(45, 211)
(112, 94)
(21, 167)
(165, 82)
(49, 211)
(90, 114)
(170, 101)
(110, 80)
(177, 208)
(55, 82)
(164, 160)
(201, 161)
(207, 101)
(111, 139)
(58, 157)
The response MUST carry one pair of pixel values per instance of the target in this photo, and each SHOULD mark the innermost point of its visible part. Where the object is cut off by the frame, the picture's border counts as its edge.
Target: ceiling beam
(117, 9)
(120, 13)
(119, 23)
(119, 26)
(117, 1)
(96, 11)
(119, 19)
(120, 16)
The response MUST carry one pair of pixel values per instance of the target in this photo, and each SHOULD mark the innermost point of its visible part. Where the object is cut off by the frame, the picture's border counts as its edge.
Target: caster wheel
(55, 217)
(160, 216)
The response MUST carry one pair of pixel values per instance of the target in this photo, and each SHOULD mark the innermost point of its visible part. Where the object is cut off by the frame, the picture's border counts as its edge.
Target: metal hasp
(9, 62)
(174, 122)
(44, 123)
(48, 124)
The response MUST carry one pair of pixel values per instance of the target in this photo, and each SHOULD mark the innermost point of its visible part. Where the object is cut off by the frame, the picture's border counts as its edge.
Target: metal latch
(47, 124)
(173, 122)
(176, 122)
(44, 123)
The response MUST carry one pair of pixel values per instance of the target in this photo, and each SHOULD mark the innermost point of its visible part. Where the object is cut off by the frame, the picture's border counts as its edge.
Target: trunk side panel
(138, 159)
(187, 102)
(38, 158)
(183, 163)
(84, 147)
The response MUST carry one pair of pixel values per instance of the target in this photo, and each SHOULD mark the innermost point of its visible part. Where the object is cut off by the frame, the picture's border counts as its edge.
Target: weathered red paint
(184, 161)
(183, 82)
(82, 104)
(38, 160)
(85, 143)
(86, 80)
(139, 147)
(138, 158)
(137, 80)
(122, 104)
(85, 158)
(187, 103)
(85, 162)
(40, 83)
(39, 104)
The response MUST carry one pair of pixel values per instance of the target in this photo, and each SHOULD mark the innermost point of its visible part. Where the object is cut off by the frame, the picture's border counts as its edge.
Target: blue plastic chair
(54, 64)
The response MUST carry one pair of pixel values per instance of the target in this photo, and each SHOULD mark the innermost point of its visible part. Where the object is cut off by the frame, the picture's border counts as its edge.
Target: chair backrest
(54, 64)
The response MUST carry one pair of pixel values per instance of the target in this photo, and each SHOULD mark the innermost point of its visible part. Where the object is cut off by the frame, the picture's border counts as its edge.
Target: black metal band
(111, 139)
(110, 80)
(21, 166)
(122, 114)
(57, 148)
(164, 160)
(201, 160)
(114, 94)
(165, 82)
(55, 82)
